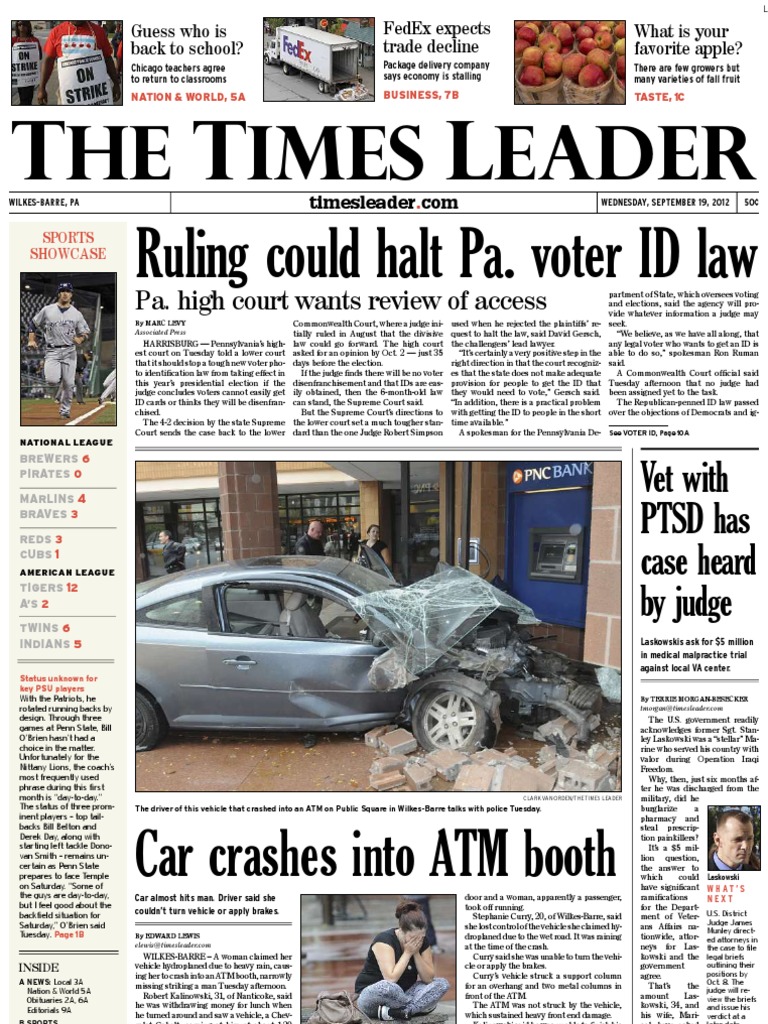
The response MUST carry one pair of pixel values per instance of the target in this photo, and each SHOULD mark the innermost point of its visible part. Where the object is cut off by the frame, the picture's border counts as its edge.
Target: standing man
(173, 553)
(79, 39)
(63, 329)
(311, 543)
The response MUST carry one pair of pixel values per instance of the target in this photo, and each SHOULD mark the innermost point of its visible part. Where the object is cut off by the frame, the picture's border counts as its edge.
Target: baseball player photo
(68, 349)
(63, 329)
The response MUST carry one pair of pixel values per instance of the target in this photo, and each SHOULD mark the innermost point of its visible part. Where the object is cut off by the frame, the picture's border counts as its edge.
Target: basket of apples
(587, 71)
(540, 75)
(526, 34)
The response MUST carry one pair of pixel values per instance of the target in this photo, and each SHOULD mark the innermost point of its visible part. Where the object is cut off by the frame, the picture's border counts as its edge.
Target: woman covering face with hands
(398, 979)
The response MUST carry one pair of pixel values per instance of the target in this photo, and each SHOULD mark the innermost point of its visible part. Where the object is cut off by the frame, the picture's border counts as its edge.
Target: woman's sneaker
(393, 1013)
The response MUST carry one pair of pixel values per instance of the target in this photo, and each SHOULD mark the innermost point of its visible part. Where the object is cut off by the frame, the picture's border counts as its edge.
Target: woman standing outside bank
(398, 979)
(373, 540)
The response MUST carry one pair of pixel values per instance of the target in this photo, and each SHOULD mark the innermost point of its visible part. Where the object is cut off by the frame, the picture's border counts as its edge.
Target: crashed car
(319, 644)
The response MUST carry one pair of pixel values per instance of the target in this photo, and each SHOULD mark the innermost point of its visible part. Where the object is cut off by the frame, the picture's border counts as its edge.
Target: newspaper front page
(385, 436)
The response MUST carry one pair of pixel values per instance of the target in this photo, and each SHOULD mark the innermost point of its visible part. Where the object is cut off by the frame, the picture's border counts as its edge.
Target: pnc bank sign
(558, 473)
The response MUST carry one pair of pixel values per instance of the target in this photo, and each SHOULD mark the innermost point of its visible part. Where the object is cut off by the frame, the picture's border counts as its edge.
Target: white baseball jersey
(60, 325)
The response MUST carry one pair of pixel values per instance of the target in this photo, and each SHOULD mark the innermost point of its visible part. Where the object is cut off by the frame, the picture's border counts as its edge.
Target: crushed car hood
(422, 622)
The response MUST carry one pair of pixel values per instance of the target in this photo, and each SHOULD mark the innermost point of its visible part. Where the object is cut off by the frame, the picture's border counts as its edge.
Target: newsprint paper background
(489, 285)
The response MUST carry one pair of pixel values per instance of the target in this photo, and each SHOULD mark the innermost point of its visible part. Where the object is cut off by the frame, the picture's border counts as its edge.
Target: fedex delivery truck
(329, 58)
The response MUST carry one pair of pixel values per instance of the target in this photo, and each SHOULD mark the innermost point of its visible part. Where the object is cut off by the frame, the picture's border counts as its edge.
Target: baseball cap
(65, 286)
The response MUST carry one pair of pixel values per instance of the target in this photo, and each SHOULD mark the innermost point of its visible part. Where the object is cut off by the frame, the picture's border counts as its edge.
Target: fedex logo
(297, 49)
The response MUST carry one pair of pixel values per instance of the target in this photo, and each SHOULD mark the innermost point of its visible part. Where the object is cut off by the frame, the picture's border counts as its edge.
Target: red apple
(604, 39)
(549, 41)
(564, 33)
(574, 25)
(586, 45)
(527, 33)
(552, 64)
(572, 65)
(584, 32)
(532, 76)
(621, 67)
(593, 25)
(591, 76)
(621, 30)
(599, 57)
(532, 56)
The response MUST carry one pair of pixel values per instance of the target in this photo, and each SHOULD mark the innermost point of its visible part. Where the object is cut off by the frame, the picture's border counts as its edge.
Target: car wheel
(151, 726)
(444, 719)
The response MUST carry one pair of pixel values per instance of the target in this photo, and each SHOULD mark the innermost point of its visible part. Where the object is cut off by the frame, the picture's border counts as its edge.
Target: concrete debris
(492, 757)
(474, 778)
(508, 779)
(558, 728)
(518, 761)
(584, 777)
(387, 780)
(447, 763)
(603, 755)
(559, 766)
(373, 736)
(545, 756)
(418, 777)
(382, 765)
(399, 741)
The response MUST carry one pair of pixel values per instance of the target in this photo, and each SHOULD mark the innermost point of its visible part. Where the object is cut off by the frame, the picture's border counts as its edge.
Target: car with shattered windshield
(320, 644)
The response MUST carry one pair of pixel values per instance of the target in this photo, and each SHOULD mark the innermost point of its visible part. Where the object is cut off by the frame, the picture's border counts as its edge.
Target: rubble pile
(561, 765)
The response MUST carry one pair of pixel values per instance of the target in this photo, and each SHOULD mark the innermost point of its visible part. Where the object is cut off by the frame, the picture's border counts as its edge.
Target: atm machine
(548, 522)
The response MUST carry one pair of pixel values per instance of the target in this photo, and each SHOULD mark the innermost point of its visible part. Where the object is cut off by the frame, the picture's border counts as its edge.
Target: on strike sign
(83, 81)
(25, 64)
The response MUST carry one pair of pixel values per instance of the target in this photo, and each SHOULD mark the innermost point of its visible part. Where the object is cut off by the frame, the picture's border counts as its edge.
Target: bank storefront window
(195, 524)
(423, 527)
(338, 511)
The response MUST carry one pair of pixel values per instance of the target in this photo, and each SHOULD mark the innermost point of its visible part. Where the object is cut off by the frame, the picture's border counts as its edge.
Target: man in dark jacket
(173, 553)
(733, 843)
(311, 542)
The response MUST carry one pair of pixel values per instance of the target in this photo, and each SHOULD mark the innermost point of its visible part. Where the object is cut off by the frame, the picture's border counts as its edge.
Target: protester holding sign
(26, 54)
(84, 56)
